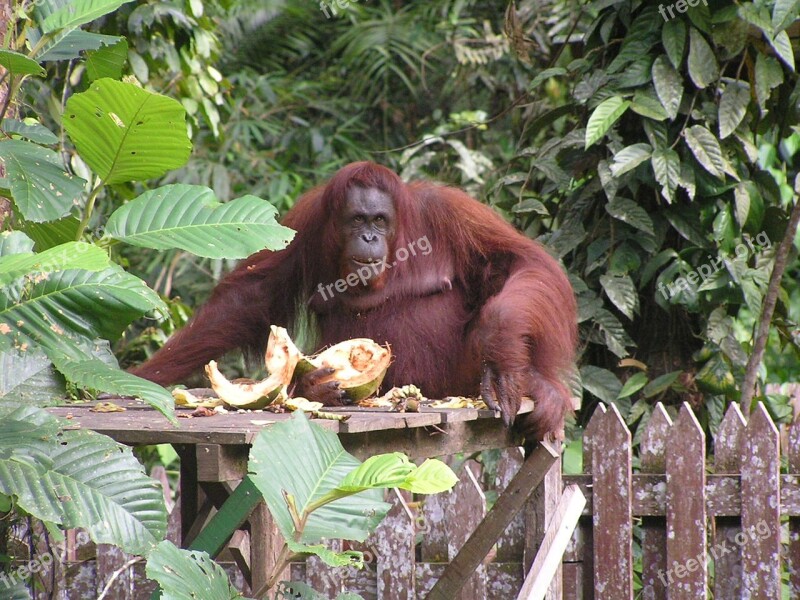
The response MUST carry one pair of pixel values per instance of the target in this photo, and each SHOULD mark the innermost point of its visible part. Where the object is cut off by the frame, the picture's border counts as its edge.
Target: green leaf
(769, 75)
(187, 574)
(614, 334)
(302, 459)
(673, 38)
(27, 378)
(431, 477)
(703, 65)
(54, 15)
(15, 242)
(783, 48)
(669, 86)
(30, 129)
(189, 217)
(92, 373)
(73, 255)
(634, 383)
(741, 197)
(68, 44)
(667, 168)
(348, 558)
(89, 304)
(706, 149)
(630, 157)
(79, 478)
(784, 13)
(603, 117)
(733, 107)
(125, 133)
(19, 64)
(622, 292)
(53, 233)
(631, 213)
(107, 61)
(42, 190)
(601, 383)
(660, 384)
(646, 103)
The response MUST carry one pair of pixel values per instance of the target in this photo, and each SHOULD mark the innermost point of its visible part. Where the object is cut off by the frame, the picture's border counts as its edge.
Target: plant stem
(770, 299)
(87, 212)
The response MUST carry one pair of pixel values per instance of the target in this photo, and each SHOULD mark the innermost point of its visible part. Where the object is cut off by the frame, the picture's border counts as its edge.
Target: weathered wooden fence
(684, 507)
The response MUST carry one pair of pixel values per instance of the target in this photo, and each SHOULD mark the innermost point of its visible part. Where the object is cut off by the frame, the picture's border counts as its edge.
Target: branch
(770, 299)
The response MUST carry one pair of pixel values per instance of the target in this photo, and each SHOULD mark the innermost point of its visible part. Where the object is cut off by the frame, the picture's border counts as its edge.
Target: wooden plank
(393, 543)
(221, 463)
(727, 460)
(384, 421)
(761, 547)
(611, 478)
(793, 556)
(511, 543)
(548, 561)
(652, 453)
(584, 535)
(323, 578)
(687, 576)
(266, 543)
(507, 505)
(464, 514)
(539, 512)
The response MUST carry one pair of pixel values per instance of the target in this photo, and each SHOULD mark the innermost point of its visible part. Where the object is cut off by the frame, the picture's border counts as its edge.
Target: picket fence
(726, 521)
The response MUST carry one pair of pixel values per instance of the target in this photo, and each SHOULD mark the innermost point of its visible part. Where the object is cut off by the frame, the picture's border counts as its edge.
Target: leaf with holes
(79, 478)
(706, 149)
(603, 117)
(733, 107)
(189, 217)
(125, 133)
(703, 65)
(669, 86)
(42, 190)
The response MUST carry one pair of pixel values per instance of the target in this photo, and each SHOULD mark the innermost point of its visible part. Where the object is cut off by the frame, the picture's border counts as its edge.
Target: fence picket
(392, 545)
(761, 509)
(652, 452)
(793, 558)
(611, 480)
(726, 553)
(687, 573)
(465, 511)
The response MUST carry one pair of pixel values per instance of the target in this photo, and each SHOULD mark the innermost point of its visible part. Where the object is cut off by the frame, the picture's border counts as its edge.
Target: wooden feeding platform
(213, 474)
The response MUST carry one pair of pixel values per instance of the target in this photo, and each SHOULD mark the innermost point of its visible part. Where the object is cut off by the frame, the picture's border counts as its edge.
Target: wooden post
(654, 533)
(613, 528)
(547, 562)
(686, 576)
(727, 459)
(483, 538)
(538, 516)
(794, 521)
(760, 537)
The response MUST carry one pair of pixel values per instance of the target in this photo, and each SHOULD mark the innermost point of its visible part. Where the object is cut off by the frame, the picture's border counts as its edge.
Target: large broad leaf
(631, 213)
(603, 117)
(784, 13)
(69, 14)
(187, 574)
(769, 75)
(783, 47)
(19, 64)
(42, 190)
(89, 304)
(78, 478)
(107, 61)
(90, 372)
(72, 255)
(15, 242)
(703, 65)
(190, 217)
(706, 149)
(733, 107)
(125, 133)
(27, 378)
(601, 382)
(669, 86)
(69, 44)
(306, 461)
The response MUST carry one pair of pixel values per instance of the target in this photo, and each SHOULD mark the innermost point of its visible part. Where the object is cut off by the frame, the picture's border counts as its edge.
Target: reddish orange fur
(485, 295)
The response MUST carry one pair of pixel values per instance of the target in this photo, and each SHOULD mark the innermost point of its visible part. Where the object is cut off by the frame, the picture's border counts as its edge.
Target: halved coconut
(360, 365)
(281, 359)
